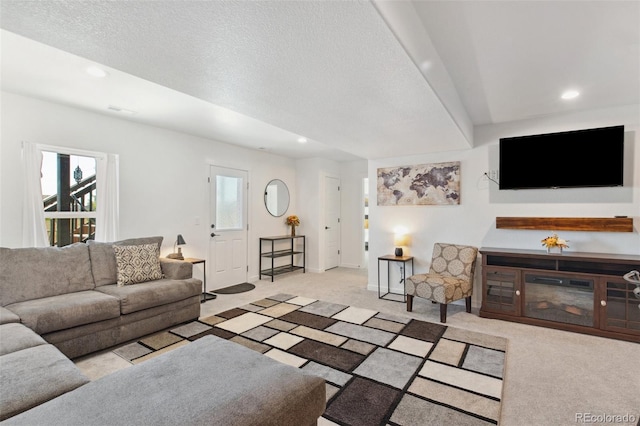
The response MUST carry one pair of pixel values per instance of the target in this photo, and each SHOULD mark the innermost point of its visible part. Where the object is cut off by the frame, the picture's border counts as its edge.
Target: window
(70, 194)
(97, 204)
(70, 198)
(228, 203)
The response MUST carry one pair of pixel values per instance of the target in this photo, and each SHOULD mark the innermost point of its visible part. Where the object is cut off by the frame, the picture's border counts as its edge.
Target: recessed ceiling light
(95, 71)
(426, 65)
(302, 140)
(570, 94)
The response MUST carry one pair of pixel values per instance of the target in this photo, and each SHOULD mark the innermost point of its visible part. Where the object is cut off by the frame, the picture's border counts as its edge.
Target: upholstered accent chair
(450, 277)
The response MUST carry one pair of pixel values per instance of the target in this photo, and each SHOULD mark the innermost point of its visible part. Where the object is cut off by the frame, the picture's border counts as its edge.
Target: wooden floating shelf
(593, 224)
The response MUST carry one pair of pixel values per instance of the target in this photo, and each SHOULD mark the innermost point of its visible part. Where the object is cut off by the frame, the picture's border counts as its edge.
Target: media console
(580, 292)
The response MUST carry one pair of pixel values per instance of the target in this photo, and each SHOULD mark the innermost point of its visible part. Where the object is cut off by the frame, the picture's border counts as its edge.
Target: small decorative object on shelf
(554, 242)
(293, 221)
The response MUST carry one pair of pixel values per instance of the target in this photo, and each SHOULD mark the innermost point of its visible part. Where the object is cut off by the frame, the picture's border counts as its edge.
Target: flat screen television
(575, 159)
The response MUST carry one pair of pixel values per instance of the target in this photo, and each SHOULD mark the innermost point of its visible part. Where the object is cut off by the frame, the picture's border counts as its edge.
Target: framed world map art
(424, 184)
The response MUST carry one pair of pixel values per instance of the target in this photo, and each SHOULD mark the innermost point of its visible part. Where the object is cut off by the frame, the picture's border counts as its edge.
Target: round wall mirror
(276, 197)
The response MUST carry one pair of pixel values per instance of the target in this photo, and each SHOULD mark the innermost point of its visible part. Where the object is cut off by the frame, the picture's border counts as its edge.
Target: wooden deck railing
(64, 231)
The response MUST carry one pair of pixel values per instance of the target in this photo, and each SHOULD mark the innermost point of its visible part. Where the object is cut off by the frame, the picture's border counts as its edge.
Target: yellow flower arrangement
(555, 241)
(293, 220)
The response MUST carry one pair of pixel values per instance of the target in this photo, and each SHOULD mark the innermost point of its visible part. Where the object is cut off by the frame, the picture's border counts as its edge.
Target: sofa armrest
(176, 269)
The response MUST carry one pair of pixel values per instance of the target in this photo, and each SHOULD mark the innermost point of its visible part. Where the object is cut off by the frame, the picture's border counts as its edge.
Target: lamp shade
(401, 240)
(180, 241)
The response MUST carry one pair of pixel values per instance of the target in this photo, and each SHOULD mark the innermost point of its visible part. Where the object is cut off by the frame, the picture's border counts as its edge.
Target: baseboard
(350, 265)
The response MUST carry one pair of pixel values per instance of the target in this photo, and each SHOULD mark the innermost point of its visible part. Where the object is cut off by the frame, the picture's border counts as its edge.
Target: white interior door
(228, 228)
(332, 222)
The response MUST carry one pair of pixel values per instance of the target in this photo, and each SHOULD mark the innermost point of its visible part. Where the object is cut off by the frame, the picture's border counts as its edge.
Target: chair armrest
(176, 269)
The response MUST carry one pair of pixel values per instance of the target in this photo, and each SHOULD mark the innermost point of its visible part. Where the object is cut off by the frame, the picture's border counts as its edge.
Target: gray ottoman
(210, 381)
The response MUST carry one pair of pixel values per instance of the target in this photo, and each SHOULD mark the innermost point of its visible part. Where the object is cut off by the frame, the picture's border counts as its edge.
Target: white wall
(473, 221)
(163, 174)
(311, 175)
(352, 218)
(311, 193)
(164, 188)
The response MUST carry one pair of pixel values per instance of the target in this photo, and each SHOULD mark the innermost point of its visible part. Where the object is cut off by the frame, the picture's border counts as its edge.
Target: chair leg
(468, 302)
(409, 302)
(443, 313)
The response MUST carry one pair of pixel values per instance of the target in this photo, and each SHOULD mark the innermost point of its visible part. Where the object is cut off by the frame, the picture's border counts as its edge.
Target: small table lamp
(177, 255)
(399, 240)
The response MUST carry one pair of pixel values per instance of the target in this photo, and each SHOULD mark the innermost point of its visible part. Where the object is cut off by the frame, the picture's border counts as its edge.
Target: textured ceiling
(512, 59)
(372, 79)
(331, 71)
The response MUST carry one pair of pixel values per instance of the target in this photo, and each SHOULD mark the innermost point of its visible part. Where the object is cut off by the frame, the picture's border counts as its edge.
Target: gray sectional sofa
(65, 301)
(31, 370)
(69, 296)
(61, 303)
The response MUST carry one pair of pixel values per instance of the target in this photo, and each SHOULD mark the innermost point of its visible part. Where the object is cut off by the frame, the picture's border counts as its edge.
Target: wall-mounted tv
(575, 159)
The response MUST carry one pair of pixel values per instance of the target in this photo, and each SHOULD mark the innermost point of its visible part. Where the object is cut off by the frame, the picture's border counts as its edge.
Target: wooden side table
(400, 259)
(205, 296)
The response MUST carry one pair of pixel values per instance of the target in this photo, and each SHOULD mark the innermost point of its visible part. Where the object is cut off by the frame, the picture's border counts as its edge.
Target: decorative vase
(293, 230)
(554, 249)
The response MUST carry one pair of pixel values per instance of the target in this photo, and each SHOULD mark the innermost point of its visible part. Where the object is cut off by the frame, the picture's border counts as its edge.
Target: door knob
(214, 235)
(326, 227)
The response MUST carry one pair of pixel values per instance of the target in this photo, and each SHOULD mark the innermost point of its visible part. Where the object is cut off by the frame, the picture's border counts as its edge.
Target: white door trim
(209, 230)
(323, 233)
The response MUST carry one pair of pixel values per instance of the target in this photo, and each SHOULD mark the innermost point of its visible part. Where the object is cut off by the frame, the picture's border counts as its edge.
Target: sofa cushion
(137, 264)
(34, 273)
(65, 311)
(103, 257)
(141, 296)
(35, 375)
(6, 316)
(16, 337)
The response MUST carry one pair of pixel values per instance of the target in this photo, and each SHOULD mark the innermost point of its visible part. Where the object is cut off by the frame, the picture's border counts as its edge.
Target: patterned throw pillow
(137, 264)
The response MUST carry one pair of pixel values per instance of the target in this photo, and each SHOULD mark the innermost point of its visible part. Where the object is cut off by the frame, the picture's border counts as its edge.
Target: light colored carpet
(552, 376)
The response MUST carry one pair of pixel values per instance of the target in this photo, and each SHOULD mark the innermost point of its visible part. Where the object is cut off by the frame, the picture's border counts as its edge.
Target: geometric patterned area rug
(380, 369)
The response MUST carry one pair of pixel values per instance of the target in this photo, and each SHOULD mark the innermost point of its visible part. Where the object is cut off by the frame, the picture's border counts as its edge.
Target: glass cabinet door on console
(620, 309)
(502, 291)
(560, 298)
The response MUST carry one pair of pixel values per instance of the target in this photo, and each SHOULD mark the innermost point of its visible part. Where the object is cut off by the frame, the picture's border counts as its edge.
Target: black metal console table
(293, 248)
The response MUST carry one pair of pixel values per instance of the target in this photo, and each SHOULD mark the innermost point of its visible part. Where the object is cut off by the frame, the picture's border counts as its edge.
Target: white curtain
(108, 208)
(34, 230)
